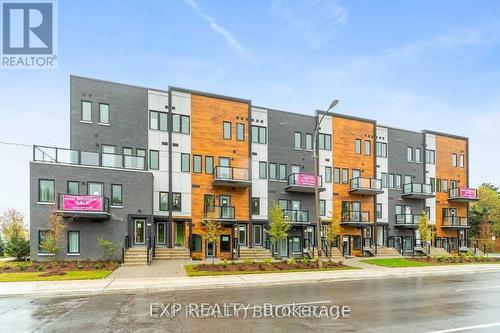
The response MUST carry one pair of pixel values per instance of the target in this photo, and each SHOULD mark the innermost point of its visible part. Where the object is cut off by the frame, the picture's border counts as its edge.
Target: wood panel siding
(207, 117)
(445, 147)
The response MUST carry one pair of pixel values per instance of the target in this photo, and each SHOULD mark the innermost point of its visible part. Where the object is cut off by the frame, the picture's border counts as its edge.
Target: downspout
(170, 201)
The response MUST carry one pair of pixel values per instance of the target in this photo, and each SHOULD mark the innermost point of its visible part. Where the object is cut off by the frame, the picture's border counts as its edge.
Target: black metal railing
(407, 219)
(299, 216)
(309, 246)
(456, 193)
(303, 179)
(369, 244)
(325, 247)
(361, 183)
(126, 245)
(422, 245)
(220, 212)
(149, 254)
(355, 216)
(455, 221)
(87, 158)
(60, 203)
(236, 249)
(415, 188)
(230, 173)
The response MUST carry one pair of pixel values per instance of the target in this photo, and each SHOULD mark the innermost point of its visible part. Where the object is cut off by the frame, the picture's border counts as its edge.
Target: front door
(139, 232)
(283, 247)
(160, 233)
(346, 246)
(356, 211)
(242, 234)
(179, 233)
(225, 203)
(257, 235)
(380, 235)
(210, 249)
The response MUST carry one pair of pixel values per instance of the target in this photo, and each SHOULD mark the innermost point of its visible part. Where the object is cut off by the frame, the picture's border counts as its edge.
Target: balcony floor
(366, 191)
(232, 182)
(302, 189)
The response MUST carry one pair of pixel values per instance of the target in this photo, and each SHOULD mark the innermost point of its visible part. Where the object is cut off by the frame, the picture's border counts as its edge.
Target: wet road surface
(423, 304)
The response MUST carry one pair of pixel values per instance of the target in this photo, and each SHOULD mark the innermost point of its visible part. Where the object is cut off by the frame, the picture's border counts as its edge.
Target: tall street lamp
(316, 186)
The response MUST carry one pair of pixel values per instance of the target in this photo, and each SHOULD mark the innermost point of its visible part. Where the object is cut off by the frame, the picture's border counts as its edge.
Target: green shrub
(98, 265)
(79, 266)
(109, 248)
(306, 260)
(267, 261)
(247, 261)
(40, 268)
(224, 263)
(22, 266)
(291, 261)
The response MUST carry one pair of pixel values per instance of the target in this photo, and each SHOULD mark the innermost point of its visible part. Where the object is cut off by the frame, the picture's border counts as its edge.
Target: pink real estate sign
(468, 193)
(305, 179)
(92, 203)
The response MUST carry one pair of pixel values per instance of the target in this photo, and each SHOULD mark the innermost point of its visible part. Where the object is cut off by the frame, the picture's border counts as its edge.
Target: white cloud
(231, 40)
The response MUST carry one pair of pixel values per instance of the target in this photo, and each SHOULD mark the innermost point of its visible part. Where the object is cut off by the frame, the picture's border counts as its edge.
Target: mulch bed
(456, 260)
(258, 266)
(49, 268)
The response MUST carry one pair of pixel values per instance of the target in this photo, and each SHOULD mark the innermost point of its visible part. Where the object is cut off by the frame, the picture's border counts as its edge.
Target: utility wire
(15, 144)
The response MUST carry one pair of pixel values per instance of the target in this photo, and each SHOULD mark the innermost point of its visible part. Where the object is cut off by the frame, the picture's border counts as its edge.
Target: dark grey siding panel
(128, 115)
(137, 200)
(281, 128)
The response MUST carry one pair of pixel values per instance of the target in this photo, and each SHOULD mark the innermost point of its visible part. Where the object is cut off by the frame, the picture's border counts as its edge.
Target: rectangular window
(153, 120)
(185, 124)
(328, 174)
(176, 202)
(433, 184)
(116, 195)
(408, 180)
(225, 243)
(356, 242)
(430, 156)
(409, 154)
(444, 185)
(103, 113)
(283, 203)
(256, 206)
(197, 168)
(295, 168)
(154, 159)
(42, 236)
(438, 185)
(336, 175)
(185, 167)
(127, 151)
(398, 182)
(368, 147)
(462, 161)
(209, 165)
(262, 170)
(345, 176)
(46, 190)
(381, 149)
(356, 173)
(282, 172)
(73, 187)
(272, 171)
(163, 201)
(95, 188)
(454, 160)
(309, 141)
(391, 180)
(240, 132)
(86, 111)
(384, 180)
(163, 121)
(418, 155)
(322, 208)
(357, 146)
(180, 124)
(226, 130)
(325, 141)
(379, 211)
(73, 242)
(297, 140)
(453, 184)
(196, 243)
(259, 134)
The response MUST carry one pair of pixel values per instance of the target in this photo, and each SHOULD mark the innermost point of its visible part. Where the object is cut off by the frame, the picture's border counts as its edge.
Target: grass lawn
(396, 262)
(71, 275)
(190, 271)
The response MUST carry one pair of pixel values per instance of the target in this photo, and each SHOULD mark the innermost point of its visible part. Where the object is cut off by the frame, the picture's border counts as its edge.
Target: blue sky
(412, 64)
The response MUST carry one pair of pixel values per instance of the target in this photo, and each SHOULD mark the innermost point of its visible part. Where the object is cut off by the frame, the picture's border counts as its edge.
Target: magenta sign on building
(92, 203)
(304, 179)
(469, 193)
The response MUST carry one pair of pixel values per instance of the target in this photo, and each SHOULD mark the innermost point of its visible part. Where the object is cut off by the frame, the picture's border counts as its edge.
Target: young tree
(54, 240)
(332, 232)
(211, 230)
(17, 245)
(108, 248)
(424, 229)
(485, 213)
(16, 242)
(1, 246)
(279, 224)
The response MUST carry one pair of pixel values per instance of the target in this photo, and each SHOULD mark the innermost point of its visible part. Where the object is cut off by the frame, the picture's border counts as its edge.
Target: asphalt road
(423, 304)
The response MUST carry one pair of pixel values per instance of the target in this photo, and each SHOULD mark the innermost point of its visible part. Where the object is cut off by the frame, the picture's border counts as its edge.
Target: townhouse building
(146, 166)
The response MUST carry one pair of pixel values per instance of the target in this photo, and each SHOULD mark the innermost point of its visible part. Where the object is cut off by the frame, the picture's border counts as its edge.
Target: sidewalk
(121, 285)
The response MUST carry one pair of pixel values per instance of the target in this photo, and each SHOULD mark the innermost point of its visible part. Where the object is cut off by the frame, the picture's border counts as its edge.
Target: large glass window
(379, 211)
(86, 111)
(368, 147)
(209, 165)
(272, 171)
(418, 155)
(153, 120)
(262, 170)
(225, 243)
(176, 202)
(391, 180)
(185, 167)
(95, 188)
(73, 187)
(227, 130)
(297, 140)
(324, 141)
(381, 149)
(454, 160)
(185, 124)
(103, 113)
(322, 207)
(409, 154)
(430, 156)
(154, 159)
(240, 132)
(444, 185)
(116, 195)
(163, 201)
(336, 175)
(46, 190)
(259, 134)
(73, 242)
(296, 244)
(180, 124)
(398, 182)
(42, 236)
(127, 151)
(163, 126)
(345, 176)
(196, 243)
(357, 146)
(408, 179)
(283, 204)
(282, 172)
(328, 174)
(309, 141)
(384, 179)
(462, 160)
(197, 164)
(256, 206)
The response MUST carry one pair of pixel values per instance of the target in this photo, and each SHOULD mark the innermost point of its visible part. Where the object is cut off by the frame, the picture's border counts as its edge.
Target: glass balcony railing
(407, 219)
(88, 158)
(220, 212)
(231, 177)
(455, 221)
(366, 185)
(301, 216)
(355, 217)
(463, 194)
(418, 191)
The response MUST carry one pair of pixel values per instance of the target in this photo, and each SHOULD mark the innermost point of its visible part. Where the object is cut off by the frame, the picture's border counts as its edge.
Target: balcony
(455, 222)
(407, 220)
(463, 195)
(368, 186)
(297, 216)
(94, 207)
(231, 177)
(417, 191)
(221, 213)
(87, 158)
(356, 219)
(304, 183)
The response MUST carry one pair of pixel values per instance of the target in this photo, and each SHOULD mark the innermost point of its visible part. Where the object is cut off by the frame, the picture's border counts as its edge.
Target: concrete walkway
(136, 285)
(158, 268)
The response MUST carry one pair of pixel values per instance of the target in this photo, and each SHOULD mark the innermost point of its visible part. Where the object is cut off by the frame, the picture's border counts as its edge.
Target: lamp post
(316, 186)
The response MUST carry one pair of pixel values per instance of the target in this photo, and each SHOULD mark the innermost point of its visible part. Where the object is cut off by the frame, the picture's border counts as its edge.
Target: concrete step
(438, 251)
(383, 251)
